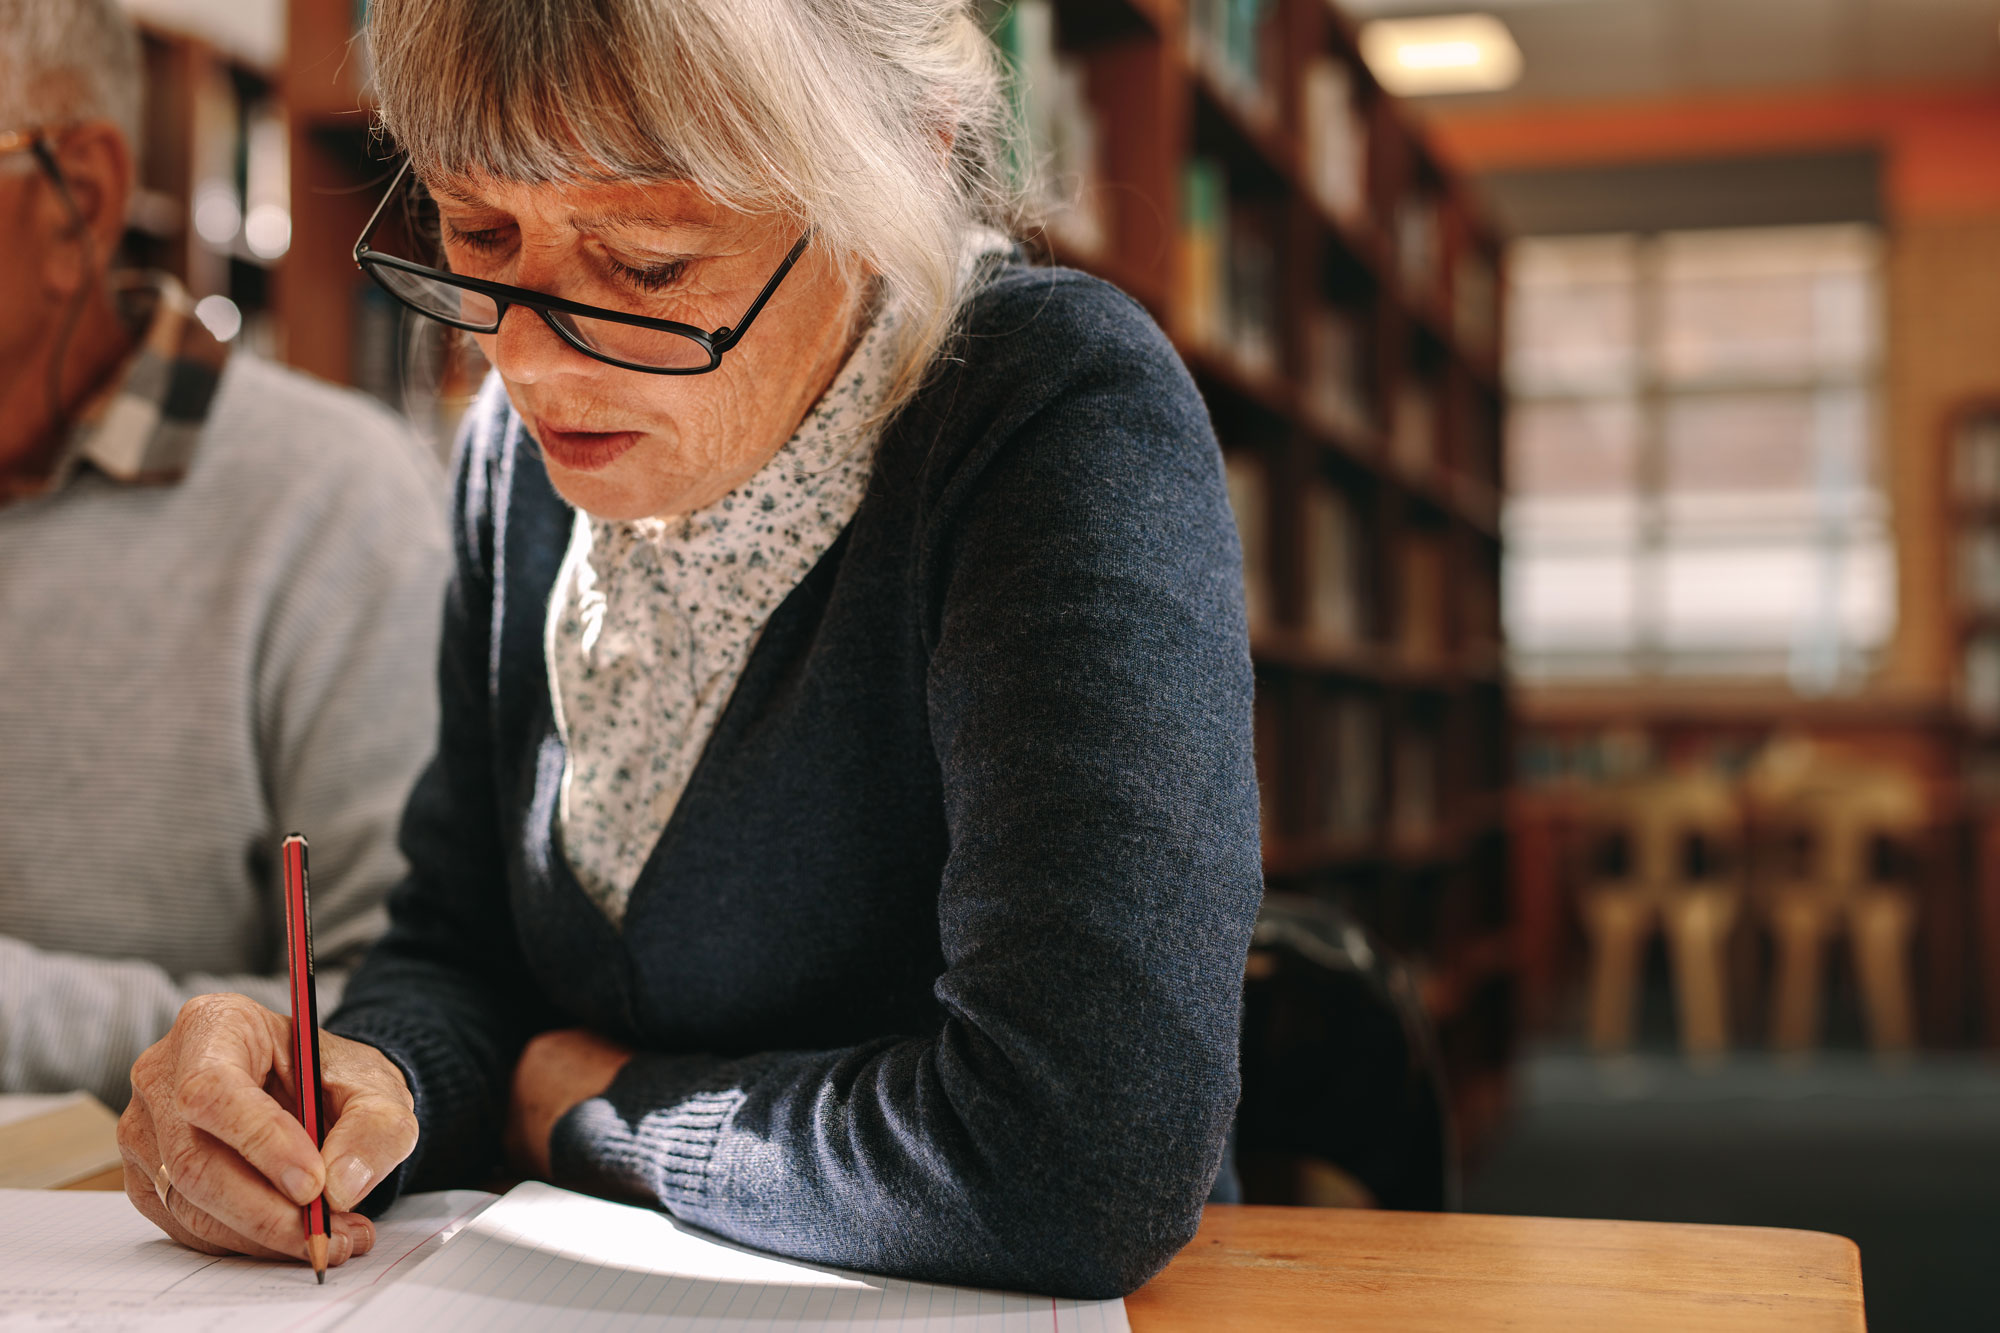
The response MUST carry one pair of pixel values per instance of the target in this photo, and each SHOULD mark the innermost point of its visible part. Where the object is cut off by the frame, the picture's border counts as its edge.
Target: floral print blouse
(651, 621)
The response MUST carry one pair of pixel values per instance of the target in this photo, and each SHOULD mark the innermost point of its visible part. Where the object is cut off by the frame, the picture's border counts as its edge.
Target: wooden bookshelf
(1383, 728)
(213, 127)
(1972, 518)
(1357, 398)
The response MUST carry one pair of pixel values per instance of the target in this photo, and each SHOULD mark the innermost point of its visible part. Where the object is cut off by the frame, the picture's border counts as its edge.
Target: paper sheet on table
(88, 1261)
(543, 1258)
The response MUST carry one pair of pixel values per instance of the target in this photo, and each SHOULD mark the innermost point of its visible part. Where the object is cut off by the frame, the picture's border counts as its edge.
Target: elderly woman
(843, 831)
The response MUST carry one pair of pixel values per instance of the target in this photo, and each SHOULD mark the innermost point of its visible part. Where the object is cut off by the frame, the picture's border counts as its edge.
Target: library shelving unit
(1336, 294)
(1972, 444)
(1232, 165)
(337, 323)
(211, 178)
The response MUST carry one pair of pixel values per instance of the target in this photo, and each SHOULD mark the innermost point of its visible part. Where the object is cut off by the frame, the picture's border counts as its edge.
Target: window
(1692, 470)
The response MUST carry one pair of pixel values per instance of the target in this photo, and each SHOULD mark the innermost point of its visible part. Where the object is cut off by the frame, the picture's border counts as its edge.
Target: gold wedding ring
(163, 1185)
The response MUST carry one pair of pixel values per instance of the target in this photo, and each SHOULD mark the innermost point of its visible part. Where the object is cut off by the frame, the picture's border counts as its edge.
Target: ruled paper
(87, 1260)
(544, 1258)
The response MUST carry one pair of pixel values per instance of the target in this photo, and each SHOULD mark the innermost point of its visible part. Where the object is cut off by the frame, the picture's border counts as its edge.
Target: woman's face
(621, 444)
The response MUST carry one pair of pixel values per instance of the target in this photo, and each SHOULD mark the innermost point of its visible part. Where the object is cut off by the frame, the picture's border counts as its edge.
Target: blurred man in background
(219, 594)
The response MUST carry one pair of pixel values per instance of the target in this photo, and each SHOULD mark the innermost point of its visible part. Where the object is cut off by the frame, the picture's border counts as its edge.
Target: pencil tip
(321, 1275)
(316, 1251)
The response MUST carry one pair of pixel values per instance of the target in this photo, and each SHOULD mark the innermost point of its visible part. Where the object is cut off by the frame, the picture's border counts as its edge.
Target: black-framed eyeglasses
(631, 342)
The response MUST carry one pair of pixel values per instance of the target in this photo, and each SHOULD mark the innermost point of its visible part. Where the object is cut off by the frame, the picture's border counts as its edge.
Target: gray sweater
(936, 968)
(188, 672)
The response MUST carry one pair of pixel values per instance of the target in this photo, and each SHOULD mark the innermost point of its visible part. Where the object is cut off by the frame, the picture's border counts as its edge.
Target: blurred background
(1610, 393)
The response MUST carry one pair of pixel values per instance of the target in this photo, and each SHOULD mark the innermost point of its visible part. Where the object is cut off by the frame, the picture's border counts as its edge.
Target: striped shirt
(217, 624)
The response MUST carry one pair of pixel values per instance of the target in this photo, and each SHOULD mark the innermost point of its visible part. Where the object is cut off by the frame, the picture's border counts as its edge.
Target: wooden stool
(1681, 833)
(1842, 815)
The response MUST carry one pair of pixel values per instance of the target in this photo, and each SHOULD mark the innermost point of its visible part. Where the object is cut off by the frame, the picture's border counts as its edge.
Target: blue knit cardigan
(936, 969)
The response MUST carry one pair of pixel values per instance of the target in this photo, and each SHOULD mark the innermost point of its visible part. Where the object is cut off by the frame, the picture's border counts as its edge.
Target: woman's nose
(526, 350)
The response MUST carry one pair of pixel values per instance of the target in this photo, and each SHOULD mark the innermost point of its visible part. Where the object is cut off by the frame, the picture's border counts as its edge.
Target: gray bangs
(539, 94)
(883, 124)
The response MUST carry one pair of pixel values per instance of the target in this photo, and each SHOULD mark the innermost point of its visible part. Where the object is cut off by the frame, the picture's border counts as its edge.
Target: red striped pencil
(305, 1031)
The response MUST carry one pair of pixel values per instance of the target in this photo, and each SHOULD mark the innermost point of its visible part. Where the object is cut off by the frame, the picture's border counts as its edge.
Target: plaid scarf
(143, 426)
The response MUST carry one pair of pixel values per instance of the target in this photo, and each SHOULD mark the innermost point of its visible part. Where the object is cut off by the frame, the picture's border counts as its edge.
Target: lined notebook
(544, 1257)
(538, 1258)
(88, 1261)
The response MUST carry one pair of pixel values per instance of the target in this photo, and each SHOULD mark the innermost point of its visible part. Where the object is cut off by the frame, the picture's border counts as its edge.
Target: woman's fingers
(224, 1060)
(168, 1209)
(356, 1231)
(212, 1180)
(216, 1236)
(370, 1137)
(374, 1125)
(216, 1159)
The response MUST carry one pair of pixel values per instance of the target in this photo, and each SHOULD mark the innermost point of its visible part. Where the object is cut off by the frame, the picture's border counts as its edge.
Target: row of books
(1369, 788)
(1250, 500)
(1334, 119)
(1414, 429)
(1419, 243)
(1339, 370)
(1337, 583)
(213, 203)
(1231, 255)
(1976, 458)
(1421, 629)
(1232, 242)
(1979, 679)
(1339, 552)
(1979, 567)
(1238, 43)
(1475, 302)
(1059, 127)
(1335, 551)
(1369, 782)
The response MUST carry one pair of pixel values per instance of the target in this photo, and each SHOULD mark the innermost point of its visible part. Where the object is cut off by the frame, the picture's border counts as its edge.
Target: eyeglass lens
(473, 310)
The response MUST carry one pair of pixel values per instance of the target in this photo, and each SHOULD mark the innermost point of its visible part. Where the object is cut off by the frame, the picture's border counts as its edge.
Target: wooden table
(1276, 1269)
(1326, 1268)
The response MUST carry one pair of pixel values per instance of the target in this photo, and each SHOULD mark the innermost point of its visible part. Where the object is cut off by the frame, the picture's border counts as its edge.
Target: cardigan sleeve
(1089, 696)
(441, 993)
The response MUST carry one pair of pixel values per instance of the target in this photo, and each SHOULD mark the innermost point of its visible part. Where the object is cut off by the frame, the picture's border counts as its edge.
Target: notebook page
(544, 1257)
(88, 1261)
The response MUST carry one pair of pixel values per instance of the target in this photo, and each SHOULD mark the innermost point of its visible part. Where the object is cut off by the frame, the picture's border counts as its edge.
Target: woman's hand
(214, 1155)
(558, 1070)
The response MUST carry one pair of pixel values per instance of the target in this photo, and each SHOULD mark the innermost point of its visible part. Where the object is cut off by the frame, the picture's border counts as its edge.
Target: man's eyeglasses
(35, 140)
(633, 342)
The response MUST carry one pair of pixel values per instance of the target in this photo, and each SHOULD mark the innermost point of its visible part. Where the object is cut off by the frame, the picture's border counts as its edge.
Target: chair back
(1340, 1065)
(1674, 829)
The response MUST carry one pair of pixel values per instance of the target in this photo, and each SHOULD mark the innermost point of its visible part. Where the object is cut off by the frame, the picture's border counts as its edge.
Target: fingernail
(339, 1249)
(349, 1183)
(299, 1185)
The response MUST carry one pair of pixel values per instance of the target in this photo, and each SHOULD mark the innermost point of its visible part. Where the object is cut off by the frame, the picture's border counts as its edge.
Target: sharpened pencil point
(321, 1275)
(316, 1251)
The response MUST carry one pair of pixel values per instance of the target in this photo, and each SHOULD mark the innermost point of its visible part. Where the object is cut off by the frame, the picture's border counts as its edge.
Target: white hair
(63, 61)
(882, 124)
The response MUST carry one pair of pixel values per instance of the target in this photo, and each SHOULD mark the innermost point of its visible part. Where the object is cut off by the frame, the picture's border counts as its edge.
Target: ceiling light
(1453, 53)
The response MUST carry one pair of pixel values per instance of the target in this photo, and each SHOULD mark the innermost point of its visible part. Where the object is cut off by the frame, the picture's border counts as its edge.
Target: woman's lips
(584, 450)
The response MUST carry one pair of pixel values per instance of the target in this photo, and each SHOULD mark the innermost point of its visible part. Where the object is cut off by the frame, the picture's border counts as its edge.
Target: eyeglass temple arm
(726, 337)
(361, 244)
(45, 156)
